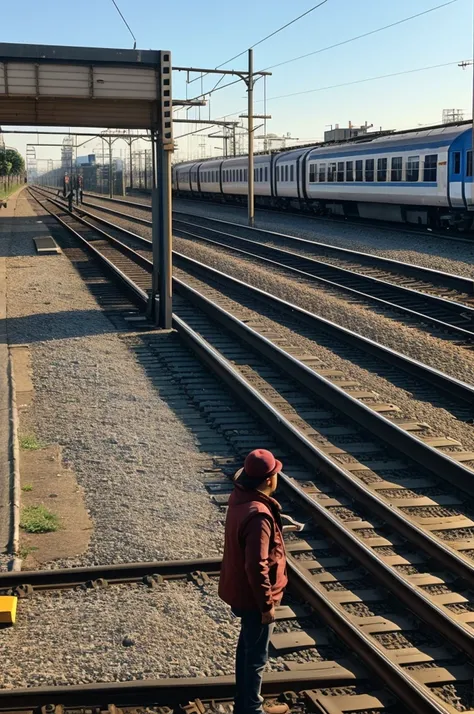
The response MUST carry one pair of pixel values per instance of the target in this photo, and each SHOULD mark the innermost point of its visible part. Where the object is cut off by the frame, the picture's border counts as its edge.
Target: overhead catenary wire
(126, 24)
(357, 81)
(333, 46)
(361, 81)
(359, 37)
(267, 37)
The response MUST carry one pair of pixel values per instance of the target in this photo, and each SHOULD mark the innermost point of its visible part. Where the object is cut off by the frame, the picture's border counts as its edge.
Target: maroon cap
(261, 464)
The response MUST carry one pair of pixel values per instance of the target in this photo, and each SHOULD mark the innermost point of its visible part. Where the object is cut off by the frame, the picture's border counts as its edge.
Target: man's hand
(268, 617)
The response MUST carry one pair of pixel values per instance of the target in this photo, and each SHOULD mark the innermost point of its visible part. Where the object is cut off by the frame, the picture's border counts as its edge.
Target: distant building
(338, 134)
(452, 115)
(2, 140)
(66, 153)
(88, 160)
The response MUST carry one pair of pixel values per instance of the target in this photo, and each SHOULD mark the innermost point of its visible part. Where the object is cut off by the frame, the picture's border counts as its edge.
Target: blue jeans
(250, 660)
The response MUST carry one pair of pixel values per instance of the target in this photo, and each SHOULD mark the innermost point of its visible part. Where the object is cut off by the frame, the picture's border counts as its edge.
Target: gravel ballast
(122, 633)
(427, 250)
(414, 341)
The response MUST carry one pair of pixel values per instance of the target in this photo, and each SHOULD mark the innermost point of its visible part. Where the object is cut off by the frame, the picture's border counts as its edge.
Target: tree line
(12, 163)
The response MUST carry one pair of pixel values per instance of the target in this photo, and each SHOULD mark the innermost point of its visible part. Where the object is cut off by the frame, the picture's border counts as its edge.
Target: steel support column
(250, 184)
(162, 146)
(165, 313)
(111, 177)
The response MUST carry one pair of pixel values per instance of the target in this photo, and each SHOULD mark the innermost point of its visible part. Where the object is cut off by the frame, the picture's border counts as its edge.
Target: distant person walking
(253, 574)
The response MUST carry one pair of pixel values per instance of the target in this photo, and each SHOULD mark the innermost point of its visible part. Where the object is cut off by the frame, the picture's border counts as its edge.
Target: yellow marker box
(8, 609)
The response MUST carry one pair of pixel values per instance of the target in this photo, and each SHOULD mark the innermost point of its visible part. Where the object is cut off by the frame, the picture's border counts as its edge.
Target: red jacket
(253, 572)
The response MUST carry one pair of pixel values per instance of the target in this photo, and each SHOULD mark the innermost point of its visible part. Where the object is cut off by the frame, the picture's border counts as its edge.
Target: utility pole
(111, 181)
(250, 186)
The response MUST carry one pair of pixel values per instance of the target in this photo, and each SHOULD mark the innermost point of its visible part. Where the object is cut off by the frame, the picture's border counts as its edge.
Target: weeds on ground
(27, 487)
(30, 442)
(38, 519)
(25, 550)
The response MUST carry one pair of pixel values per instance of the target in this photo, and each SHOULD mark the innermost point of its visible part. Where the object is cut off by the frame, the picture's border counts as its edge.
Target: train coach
(419, 176)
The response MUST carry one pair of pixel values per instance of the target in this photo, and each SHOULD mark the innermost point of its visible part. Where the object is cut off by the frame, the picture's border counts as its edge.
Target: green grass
(30, 442)
(27, 487)
(37, 519)
(5, 192)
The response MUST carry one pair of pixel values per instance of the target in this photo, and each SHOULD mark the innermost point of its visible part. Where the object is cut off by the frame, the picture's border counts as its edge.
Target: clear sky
(208, 33)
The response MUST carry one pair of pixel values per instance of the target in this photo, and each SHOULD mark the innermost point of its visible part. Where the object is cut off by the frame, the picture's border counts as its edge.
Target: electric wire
(360, 81)
(126, 24)
(267, 37)
(359, 37)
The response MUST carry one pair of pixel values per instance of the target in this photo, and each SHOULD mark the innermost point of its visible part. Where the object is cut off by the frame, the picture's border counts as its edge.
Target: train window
(349, 170)
(382, 169)
(430, 168)
(286, 172)
(241, 175)
(245, 175)
(457, 162)
(359, 170)
(331, 172)
(261, 174)
(312, 173)
(413, 168)
(340, 171)
(397, 168)
(292, 173)
(469, 163)
(369, 169)
(322, 172)
(277, 173)
(266, 174)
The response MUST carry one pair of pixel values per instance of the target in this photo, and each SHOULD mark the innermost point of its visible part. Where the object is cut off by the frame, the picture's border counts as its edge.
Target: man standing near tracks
(253, 574)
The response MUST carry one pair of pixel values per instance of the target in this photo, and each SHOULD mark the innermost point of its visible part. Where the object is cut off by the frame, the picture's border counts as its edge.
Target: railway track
(420, 278)
(314, 683)
(443, 300)
(358, 223)
(375, 512)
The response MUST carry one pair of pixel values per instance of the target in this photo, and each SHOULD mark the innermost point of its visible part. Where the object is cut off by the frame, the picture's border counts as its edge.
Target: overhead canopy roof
(81, 86)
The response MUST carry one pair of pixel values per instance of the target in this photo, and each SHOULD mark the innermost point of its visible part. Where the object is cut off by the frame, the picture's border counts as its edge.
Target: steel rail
(452, 386)
(331, 219)
(349, 483)
(451, 306)
(440, 277)
(344, 274)
(458, 282)
(166, 692)
(379, 225)
(116, 573)
(439, 463)
(334, 395)
(400, 682)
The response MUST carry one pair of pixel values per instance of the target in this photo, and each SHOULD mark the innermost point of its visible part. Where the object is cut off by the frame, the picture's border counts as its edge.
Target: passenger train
(418, 176)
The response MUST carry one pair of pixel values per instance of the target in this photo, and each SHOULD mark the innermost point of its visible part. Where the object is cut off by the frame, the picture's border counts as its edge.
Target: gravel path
(141, 468)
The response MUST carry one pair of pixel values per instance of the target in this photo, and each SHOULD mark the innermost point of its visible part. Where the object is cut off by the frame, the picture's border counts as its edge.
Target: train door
(468, 185)
(455, 179)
